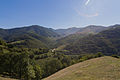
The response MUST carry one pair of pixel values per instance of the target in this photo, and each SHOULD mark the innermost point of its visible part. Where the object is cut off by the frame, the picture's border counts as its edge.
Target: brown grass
(104, 68)
(2, 78)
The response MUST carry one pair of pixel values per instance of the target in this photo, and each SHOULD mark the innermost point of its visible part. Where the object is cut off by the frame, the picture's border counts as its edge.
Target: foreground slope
(2, 78)
(104, 68)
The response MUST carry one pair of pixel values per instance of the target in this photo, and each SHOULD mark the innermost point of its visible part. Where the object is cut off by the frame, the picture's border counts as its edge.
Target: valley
(59, 40)
(35, 52)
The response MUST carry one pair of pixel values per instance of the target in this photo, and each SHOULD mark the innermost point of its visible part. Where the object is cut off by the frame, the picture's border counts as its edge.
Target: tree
(52, 66)
(67, 61)
(30, 73)
(116, 56)
(99, 54)
(38, 72)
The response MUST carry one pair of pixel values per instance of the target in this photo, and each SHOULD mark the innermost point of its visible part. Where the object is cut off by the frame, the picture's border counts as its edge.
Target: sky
(58, 13)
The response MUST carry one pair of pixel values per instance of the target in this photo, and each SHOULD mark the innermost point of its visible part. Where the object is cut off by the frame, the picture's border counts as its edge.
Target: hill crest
(104, 68)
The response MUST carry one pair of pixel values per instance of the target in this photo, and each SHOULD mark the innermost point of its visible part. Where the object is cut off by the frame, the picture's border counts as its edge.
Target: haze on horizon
(58, 13)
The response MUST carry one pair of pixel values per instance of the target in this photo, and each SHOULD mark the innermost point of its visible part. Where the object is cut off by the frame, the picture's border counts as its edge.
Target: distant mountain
(37, 36)
(42, 31)
(81, 32)
(66, 32)
(92, 29)
(31, 36)
(107, 42)
(69, 39)
(73, 30)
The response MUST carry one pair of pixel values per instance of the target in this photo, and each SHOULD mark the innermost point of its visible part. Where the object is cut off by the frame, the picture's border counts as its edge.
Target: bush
(116, 56)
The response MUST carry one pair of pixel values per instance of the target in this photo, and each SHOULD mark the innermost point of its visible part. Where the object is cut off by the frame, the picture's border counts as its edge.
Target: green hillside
(92, 29)
(42, 31)
(78, 34)
(107, 42)
(31, 37)
(28, 55)
(30, 40)
(35, 63)
(66, 32)
(88, 29)
(104, 68)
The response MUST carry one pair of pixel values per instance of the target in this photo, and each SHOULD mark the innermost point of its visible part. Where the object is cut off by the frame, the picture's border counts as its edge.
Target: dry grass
(104, 68)
(2, 78)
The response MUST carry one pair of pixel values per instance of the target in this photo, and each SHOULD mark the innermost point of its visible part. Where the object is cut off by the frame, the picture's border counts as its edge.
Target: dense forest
(106, 42)
(34, 52)
(35, 64)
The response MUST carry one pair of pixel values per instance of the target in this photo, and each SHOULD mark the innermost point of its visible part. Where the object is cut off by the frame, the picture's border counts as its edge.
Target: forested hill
(27, 55)
(107, 42)
(34, 63)
(84, 30)
(77, 34)
(66, 32)
(32, 36)
(92, 29)
(42, 31)
(37, 36)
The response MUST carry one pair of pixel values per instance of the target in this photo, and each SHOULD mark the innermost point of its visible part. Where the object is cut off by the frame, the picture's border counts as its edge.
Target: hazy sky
(58, 13)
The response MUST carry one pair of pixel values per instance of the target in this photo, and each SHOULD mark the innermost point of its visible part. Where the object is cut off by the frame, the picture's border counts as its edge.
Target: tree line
(35, 64)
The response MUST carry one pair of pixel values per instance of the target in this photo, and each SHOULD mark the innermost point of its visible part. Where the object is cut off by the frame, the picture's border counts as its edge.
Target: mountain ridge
(106, 42)
(30, 34)
(47, 36)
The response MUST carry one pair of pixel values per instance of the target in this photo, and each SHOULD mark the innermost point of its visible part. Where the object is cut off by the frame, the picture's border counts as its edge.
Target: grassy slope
(104, 68)
(2, 78)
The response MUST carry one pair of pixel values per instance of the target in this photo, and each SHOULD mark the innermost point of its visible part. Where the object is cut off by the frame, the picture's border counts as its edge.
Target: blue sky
(58, 13)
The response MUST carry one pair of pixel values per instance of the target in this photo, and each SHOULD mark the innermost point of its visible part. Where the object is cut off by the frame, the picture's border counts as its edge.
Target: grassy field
(104, 68)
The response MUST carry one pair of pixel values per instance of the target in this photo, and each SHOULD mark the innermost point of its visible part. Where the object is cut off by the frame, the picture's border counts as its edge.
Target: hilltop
(45, 37)
(84, 30)
(31, 36)
(104, 68)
